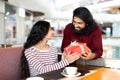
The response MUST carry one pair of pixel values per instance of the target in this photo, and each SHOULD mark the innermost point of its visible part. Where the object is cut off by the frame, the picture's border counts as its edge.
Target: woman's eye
(52, 28)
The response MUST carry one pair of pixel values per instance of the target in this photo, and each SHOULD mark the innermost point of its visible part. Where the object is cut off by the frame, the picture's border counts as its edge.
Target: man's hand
(88, 55)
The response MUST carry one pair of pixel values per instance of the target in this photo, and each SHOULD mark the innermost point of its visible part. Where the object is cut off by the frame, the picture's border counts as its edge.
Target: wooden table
(87, 73)
(102, 74)
(97, 73)
(55, 75)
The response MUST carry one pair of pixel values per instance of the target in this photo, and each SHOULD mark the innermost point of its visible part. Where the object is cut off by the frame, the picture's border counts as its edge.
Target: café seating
(10, 63)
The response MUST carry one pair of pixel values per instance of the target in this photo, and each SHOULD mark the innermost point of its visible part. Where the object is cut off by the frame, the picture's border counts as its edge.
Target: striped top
(42, 61)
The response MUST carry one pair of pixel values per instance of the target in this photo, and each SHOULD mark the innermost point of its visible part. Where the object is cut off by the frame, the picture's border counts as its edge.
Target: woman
(38, 57)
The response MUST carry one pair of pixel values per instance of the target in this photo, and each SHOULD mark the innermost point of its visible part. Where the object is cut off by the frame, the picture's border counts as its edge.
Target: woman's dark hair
(38, 32)
(84, 14)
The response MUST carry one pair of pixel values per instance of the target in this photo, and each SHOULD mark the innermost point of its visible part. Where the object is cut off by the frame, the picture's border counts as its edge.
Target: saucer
(66, 75)
(35, 78)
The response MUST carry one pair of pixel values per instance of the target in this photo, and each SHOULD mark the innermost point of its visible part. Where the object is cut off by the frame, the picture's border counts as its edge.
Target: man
(84, 29)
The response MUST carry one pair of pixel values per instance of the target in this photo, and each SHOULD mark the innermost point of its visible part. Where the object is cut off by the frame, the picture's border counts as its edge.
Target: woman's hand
(71, 57)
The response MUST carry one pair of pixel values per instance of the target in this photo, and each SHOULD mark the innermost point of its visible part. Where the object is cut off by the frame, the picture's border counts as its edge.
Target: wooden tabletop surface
(87, 73)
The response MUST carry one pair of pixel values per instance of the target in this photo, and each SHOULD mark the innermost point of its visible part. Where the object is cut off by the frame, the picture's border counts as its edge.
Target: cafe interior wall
(2, 31)
(14, 25)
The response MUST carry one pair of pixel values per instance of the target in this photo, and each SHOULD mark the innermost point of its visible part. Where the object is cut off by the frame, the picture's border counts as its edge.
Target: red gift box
(76, 47)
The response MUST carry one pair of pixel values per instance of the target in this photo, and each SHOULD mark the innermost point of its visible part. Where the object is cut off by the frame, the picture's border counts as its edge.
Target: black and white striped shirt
(42, 61)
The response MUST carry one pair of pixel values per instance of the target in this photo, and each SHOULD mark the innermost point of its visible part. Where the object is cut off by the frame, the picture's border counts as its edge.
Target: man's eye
(73, 22)
(79, 22)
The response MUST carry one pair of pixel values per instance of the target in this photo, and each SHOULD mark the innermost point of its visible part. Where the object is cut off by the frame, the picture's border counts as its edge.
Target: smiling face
(78, 23)
(50, 34)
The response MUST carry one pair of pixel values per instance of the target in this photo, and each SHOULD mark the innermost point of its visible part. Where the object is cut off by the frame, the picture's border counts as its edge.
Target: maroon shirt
(94, 40)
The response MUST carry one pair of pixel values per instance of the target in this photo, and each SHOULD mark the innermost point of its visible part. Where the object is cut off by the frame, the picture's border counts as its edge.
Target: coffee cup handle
(64, 71)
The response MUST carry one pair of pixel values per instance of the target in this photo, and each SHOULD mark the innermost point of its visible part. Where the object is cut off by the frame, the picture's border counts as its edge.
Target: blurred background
(18, 16)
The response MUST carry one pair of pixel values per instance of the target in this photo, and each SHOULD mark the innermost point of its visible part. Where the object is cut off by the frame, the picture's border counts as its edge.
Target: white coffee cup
(35, 78)
(70, 70)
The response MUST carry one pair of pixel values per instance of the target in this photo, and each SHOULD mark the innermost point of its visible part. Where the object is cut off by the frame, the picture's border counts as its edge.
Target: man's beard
(79, 32)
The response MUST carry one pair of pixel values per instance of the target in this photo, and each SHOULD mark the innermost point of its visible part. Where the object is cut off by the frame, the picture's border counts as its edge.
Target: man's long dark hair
(38, 32)
(84, 14)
